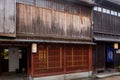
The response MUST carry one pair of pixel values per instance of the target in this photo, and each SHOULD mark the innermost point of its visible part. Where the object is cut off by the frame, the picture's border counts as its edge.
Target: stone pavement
(11, 76)
(107, 78)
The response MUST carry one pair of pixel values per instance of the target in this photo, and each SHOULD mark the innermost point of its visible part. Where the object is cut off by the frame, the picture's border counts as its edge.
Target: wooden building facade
(62, 32)
(106, 17)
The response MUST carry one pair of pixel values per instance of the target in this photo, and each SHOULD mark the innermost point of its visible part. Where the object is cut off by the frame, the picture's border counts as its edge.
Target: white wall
(13, 59)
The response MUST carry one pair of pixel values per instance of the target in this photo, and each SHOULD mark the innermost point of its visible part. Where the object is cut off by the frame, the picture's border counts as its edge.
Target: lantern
(115, 45)
(34, 48)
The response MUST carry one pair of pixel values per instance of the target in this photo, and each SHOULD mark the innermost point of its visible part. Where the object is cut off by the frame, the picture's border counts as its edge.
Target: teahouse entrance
(104, 58)
(14, 60)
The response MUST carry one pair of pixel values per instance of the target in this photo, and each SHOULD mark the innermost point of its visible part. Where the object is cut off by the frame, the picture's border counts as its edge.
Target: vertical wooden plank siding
(100, 61)
(58, 59)
(46, 22)
(8, 18)
(32, 62)
(2, 12)
(106, 24)
(90, 58)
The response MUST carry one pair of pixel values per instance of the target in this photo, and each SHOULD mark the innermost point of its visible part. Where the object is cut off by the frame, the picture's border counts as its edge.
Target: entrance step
(103, 75)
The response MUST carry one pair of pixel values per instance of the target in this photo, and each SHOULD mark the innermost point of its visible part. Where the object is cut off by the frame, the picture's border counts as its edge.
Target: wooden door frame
(0, 63)
(27, 47)
(96, 58)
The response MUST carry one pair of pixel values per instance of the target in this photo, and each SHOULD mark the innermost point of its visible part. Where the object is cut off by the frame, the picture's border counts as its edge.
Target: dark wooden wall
(106, 25)
(100, 57)
(52, 19)
(116, 58)
(8, 18)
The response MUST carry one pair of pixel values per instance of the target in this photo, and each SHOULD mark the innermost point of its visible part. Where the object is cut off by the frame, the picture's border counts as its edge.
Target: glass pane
(119, 14)
(99, 9)
(115, 13)
(95, 8)
(5, 53)
(104, 10)
(112, 12)
(108, 11)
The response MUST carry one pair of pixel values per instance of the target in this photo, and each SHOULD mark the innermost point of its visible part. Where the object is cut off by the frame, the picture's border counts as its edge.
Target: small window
(95, 8)
(99, 9)
(20, 53)
(108, 11)
(5, 53)
(115, 13)
(112, 12)
(119, 14)
(104, 10)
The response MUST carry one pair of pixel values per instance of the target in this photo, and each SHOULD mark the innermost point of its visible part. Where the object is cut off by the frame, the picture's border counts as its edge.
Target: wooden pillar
(28, 61)
(32, 64)
(0, 64)
(28, 70)
(64, 59)
(90, 58)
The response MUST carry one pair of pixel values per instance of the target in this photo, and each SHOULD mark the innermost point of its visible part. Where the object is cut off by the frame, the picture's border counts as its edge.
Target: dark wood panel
(116, 59)
(100, 57)
(106, 23)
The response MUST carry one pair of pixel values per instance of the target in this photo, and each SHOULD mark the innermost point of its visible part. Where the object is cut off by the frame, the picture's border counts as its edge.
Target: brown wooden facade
(61, 59)
(8, 18)
(106, 32)
(61, 30)
(71, 22)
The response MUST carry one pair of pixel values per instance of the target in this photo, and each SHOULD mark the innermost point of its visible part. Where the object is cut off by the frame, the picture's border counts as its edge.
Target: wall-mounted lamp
(34, 47)
(116, 45)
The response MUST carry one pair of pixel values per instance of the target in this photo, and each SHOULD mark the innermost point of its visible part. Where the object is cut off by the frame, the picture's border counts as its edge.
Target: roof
(115, 1)
(46, 41)
(83, 2)
(106, 39)
(113, 4)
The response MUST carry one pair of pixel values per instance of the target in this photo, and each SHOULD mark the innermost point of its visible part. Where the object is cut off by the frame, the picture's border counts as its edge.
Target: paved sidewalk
(107, 78)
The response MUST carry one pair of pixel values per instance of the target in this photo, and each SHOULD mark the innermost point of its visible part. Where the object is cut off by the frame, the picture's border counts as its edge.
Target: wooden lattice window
(52, 59)
(48, 60)
(77, 58)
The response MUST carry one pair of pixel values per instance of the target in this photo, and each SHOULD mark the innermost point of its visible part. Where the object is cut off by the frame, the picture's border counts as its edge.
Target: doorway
(109, 57)
(13, 60)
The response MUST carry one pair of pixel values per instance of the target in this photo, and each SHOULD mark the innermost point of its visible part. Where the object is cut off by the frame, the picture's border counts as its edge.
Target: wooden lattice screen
(53, 59)
(77, 58)
(48, 59)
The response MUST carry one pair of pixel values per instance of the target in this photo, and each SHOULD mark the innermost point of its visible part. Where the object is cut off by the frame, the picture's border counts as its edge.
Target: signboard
(118, 51)
(110, 52)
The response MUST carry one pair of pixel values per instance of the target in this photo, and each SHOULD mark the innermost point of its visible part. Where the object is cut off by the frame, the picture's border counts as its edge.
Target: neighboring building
(61, 31)
(106, 19)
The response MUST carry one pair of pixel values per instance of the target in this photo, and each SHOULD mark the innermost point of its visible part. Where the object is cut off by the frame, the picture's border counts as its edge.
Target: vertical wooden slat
(10, 21)
(2, 12)
(32, 64)
(72, 57)
(60, 57)
(8, 18)
(47, 58)
(90, 58)
(82, 56)
(64, 58)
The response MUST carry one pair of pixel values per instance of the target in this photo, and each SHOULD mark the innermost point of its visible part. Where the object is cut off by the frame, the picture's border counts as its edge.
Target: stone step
(103, 75)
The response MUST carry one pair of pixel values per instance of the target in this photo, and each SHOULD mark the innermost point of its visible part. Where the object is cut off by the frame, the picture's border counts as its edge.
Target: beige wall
(13, 59)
